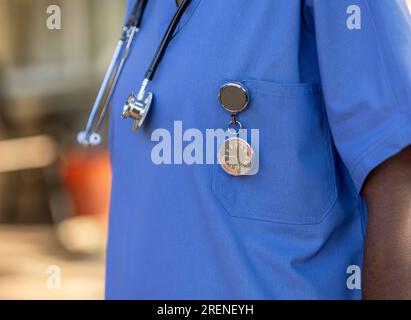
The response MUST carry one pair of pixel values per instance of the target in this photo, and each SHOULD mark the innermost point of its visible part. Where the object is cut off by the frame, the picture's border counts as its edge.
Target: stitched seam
(358, 167)
(382, 137)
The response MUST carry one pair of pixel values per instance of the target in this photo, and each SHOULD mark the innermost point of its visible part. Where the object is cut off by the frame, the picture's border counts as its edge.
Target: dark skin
(387, 257)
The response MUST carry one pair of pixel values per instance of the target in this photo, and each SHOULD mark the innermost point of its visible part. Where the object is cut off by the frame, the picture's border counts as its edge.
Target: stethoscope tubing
(137, 14)
(161, 50)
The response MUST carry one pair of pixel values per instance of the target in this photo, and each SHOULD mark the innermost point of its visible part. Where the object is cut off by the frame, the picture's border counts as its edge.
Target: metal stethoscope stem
(133, 32)
(90, 136)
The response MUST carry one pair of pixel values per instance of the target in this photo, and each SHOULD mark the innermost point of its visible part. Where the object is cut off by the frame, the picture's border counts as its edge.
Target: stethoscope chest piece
(138, 106)
(137, 109)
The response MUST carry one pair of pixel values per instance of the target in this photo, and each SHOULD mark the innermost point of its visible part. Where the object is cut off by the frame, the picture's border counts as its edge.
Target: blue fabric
(330, 103)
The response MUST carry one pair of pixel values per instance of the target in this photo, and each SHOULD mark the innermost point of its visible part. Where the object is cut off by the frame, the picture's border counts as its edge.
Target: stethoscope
(235, 155)
(137, 106)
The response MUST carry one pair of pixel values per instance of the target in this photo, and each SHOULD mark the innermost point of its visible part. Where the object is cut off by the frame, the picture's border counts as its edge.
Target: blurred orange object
(87, 177)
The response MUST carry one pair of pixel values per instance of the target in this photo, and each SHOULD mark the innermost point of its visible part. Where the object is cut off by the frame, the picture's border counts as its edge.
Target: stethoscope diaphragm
(137, 109)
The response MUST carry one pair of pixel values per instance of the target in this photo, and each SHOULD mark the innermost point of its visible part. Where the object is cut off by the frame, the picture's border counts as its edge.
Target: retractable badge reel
(235, 155)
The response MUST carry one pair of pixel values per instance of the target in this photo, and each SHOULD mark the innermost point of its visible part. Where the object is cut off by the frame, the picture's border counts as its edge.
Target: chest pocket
(295, 183)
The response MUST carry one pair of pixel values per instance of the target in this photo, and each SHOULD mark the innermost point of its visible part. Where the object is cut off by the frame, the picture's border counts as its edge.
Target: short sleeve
(364, 54)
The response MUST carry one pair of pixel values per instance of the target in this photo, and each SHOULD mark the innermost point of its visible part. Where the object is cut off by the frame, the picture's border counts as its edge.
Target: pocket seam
(284, 89)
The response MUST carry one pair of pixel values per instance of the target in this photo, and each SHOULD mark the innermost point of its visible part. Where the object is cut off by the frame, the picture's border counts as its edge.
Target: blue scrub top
(331, 103)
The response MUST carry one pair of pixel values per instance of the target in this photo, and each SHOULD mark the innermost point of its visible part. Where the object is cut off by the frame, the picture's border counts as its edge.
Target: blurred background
(54, 195)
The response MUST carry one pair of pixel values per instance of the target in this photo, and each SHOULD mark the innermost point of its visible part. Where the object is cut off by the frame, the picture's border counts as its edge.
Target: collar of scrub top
(90, 136)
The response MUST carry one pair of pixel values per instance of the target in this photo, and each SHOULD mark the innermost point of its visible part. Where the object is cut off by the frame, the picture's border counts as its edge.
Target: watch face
(236, 156)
